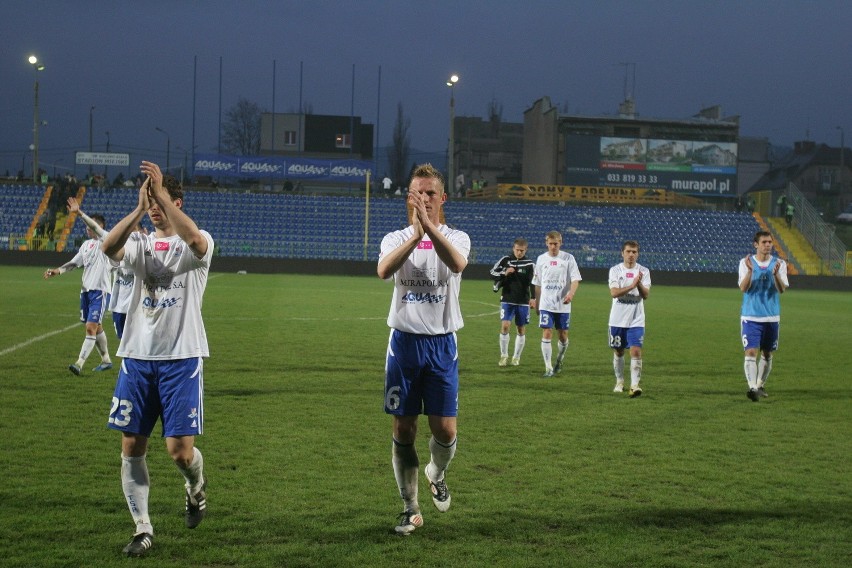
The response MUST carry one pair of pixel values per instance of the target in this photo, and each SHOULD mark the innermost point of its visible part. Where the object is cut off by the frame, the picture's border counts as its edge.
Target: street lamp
(168, 145)
(842, 153)
(91, 114)
(36, 68)
(450, 158)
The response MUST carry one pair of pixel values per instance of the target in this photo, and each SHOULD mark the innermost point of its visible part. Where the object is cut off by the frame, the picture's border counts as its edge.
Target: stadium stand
(18, 204)
(332, 227)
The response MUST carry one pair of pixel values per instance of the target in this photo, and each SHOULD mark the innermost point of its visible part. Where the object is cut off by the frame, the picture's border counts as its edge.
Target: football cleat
(635, 391)
(196, 506)
(547, 373)
(408, 521)
(619, 387)
(762, 392)
(504, 360)
(558, 367)
(753, 395)
(440, 492)
(139, 545)
(516, 361)
(74, 369)
(103, 367)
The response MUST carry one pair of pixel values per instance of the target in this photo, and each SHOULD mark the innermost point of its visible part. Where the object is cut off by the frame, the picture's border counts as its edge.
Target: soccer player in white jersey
(163, 347)
(629, 286)
(556, 280)
(425, 261)
(94, 294)
(762, 279)
(122, 287)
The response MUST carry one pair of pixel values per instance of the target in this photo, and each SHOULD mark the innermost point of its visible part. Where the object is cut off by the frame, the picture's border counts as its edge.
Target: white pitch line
(34, 339)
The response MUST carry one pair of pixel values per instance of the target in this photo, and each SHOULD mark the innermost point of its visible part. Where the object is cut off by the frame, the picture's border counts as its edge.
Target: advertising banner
(684, 166)
(280, 169)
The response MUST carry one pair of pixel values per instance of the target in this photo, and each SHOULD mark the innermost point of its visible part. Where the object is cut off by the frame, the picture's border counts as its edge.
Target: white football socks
(193, 474)
(101, 344)
(750, 367)
(764, 366)
(442, 455)
(504, 344)
(520, 342)
(86, 349)
(405, 466)
(135, 483)
(635, 372)
(547, 353)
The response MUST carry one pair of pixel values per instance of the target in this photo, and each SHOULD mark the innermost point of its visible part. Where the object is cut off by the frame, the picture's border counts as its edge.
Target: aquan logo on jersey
(629, 275)
(161, 245)
(554, 262)
(425, 245)
(423, 298)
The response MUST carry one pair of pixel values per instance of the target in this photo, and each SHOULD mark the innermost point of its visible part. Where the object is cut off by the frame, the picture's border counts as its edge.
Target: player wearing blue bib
(762, 279)
(163, 346)
(425, 261)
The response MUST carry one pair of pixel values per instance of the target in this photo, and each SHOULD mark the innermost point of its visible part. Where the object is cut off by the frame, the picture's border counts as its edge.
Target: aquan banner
(259, 167)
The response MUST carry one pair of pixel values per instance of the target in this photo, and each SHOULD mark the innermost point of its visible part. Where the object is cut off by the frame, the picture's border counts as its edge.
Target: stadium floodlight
(451, 150)
(37, 66)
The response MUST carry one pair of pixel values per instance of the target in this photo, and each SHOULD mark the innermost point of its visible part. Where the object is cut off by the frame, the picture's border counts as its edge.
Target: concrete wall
(41, 261)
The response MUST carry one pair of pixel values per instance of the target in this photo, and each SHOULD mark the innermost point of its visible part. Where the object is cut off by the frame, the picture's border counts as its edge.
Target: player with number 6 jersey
(425, 262)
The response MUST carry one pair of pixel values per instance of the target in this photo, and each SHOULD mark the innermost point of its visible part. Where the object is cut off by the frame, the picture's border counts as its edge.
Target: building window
(343, 141)
(289, 137)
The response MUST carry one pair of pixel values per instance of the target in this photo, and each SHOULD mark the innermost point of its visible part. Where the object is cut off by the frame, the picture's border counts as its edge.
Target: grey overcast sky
(781, 65)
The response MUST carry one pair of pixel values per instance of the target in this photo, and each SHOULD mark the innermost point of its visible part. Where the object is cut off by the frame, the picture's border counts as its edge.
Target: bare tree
(399, 151)
(241, 129)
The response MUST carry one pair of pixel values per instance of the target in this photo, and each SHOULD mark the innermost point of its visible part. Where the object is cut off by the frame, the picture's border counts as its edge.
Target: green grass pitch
(558, 472)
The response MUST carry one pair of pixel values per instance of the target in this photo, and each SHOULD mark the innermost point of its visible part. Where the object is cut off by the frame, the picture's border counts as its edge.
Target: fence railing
(819, 234)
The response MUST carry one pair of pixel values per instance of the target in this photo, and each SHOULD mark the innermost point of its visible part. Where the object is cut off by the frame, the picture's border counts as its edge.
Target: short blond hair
(428, 171)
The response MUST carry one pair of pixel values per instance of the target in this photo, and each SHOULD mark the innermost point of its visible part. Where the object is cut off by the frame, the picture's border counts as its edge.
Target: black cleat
(139, 545)
(753, 395)
(762, 392)
(196, 506)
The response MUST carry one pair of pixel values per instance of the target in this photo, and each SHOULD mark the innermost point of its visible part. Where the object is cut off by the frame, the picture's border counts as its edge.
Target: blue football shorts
(148, 390)
(92, 305)
(422, 374)
(554, 319)
(761, 335)
(518, 312)
(626, 337)
(118, 320)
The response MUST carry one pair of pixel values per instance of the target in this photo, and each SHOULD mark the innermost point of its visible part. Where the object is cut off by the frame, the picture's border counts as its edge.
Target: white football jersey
(122, 288)
(426, 293)
(164, 316)
(96, 266)
(628, 311)
(554, 274)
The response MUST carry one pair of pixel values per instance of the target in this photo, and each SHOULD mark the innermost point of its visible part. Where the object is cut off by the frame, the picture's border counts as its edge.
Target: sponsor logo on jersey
(161, 245)
(554, 262)
(425, 245)
(423, 298)
(629, 275)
